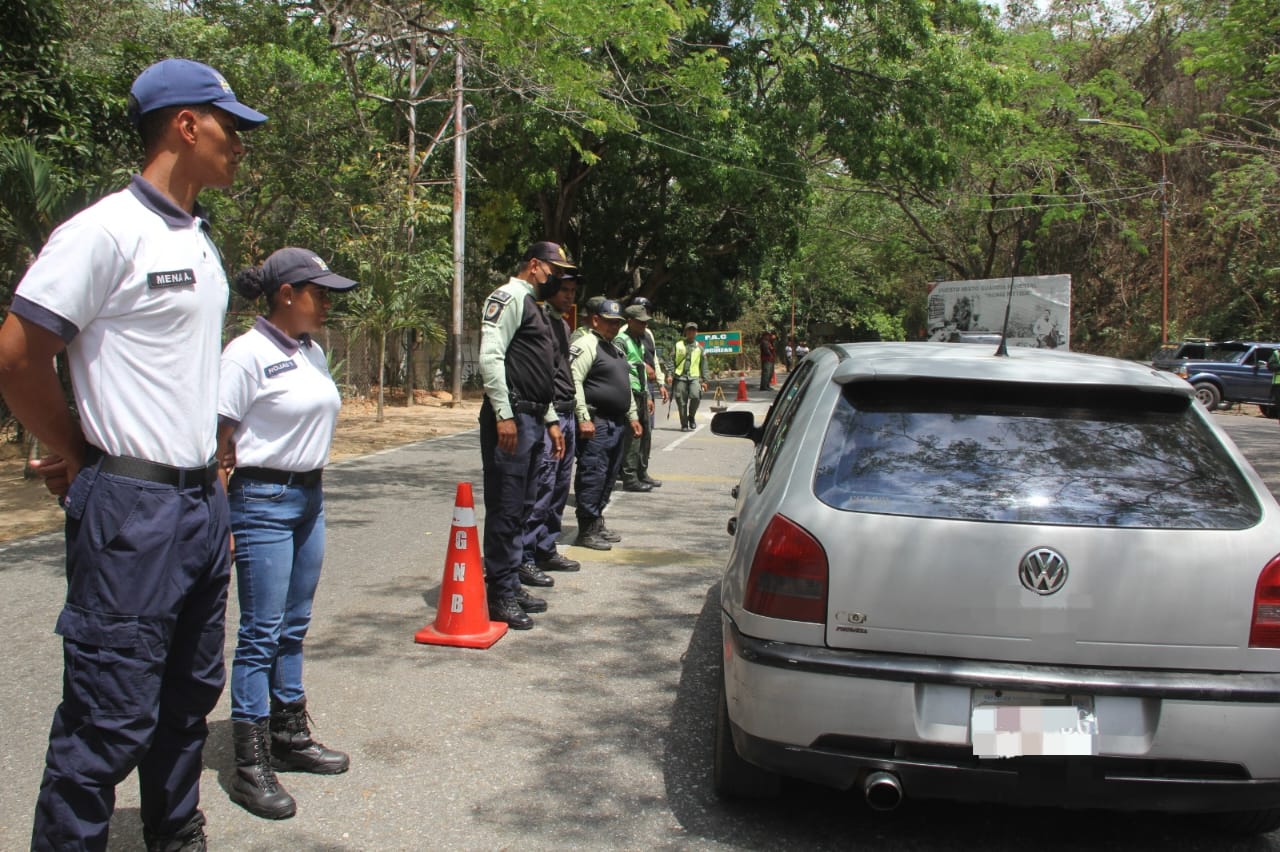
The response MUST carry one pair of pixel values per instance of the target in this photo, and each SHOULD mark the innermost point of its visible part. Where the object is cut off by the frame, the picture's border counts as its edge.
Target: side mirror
(736, 424)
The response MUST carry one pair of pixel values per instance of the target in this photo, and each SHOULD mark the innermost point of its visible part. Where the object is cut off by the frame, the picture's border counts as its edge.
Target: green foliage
(739, 162)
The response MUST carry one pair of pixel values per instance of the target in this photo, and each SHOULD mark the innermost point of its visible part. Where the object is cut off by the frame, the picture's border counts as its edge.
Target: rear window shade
(1100, 456)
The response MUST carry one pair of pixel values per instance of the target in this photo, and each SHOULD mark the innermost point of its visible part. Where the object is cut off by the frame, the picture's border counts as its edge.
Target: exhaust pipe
(883, 791)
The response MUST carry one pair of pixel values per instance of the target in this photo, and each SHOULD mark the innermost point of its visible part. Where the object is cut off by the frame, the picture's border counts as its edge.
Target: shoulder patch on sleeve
(574, 351)
(496, 304)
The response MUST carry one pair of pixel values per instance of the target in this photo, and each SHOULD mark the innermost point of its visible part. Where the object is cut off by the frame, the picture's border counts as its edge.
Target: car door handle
(733, 525)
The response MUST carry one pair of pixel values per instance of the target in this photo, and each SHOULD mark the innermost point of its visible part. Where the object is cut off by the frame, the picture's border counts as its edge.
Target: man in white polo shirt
(133, 288)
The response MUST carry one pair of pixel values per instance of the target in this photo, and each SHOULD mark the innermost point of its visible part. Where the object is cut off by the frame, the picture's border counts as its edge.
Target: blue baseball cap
(295, 265)
(183, 82)
(609, 309)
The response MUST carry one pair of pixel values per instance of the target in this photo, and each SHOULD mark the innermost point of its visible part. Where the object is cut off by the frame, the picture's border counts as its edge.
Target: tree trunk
(382, 371)
(411, 337)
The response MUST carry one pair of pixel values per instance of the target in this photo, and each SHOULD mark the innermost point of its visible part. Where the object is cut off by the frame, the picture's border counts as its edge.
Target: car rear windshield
(1037, 454)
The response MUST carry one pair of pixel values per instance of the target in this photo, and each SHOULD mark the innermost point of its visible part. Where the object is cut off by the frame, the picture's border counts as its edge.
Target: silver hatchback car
(1040, 578)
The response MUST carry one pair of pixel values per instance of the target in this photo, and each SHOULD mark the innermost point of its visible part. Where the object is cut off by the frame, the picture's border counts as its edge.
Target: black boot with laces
(293, 750)
(254, 786)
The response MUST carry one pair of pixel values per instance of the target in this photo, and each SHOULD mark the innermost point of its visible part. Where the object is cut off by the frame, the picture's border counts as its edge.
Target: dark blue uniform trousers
(509, 483)
(546, 514)
(599, 460)
(142, 630)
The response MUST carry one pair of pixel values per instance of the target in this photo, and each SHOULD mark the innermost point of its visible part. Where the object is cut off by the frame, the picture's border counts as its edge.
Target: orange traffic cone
(462, 615)
(773, 379)
(742, 388)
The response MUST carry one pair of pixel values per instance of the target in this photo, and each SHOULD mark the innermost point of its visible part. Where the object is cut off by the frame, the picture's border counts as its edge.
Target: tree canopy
(739, 162)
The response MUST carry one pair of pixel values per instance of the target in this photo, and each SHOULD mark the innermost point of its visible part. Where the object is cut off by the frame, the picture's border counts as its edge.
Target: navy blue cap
(300, 266)
(183, 82)
(609, 309)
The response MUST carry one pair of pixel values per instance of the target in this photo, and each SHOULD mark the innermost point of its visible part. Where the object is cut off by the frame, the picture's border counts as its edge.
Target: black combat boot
(589, 535)
(254, 786)
(607, 534)
(293, 750)
(189, 838)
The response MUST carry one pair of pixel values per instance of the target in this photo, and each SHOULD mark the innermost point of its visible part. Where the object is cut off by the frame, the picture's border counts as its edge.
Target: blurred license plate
(1014, 724)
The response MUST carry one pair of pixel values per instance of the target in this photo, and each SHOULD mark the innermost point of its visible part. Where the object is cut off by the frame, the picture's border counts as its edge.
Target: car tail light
(788, 576)
(1264, 632)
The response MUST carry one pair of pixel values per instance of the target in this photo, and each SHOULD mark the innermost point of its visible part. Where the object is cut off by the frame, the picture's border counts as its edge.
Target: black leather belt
(538, 409)
(566, 408)
(179, 477)
(305, 478)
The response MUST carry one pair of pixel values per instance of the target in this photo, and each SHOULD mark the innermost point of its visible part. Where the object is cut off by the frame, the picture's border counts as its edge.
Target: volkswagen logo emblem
(1043, 570)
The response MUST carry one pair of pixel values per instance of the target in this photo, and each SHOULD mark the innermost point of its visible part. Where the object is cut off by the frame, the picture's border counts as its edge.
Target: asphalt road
(591, 731)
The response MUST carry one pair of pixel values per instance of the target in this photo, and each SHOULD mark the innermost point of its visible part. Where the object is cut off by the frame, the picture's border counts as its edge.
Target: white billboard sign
(1039, 315)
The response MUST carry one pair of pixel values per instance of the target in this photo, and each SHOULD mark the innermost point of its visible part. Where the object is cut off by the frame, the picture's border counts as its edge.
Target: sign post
(721, 342)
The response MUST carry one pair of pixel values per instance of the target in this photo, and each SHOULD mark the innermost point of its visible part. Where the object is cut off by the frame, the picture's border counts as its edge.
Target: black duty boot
(293, 750)
(509, 610)
(589, 535)
(606, 533)
(529, 603)
(254, 786)
(559, 562)
(189, 838)
(531, 575)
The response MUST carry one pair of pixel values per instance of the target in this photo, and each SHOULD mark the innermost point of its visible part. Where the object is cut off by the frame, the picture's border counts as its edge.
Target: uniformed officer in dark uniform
(517, 351)
(555, 475)
(604, 406)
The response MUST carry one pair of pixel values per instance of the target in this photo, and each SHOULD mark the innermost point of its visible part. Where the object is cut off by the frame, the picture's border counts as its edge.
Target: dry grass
(26, 508)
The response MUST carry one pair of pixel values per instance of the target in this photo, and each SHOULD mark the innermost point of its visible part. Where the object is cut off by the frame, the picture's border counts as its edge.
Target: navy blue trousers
(509, 486)
(599, 460)
(142, 640)
(546, 514)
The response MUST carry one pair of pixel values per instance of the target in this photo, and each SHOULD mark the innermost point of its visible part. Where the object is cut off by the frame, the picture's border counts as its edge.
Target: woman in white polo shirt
(277, 409)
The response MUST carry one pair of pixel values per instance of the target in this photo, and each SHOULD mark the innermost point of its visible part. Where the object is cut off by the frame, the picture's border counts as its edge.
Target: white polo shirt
(279, 393)
(134, 285)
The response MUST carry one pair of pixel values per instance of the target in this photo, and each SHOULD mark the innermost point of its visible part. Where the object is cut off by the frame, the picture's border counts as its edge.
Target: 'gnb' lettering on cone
(462, 615)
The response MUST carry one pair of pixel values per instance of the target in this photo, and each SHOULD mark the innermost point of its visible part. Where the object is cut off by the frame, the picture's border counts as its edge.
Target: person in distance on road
(690, 377)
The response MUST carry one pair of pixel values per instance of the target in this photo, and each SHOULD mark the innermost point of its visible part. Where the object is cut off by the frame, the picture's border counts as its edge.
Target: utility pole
(459, 218)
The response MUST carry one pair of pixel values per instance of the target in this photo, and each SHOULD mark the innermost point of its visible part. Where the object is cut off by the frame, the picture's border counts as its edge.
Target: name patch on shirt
(495, 304)
(283, 367)
(172, 278)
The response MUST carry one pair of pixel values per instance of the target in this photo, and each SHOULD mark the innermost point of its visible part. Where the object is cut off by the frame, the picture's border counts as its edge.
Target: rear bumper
(1180, 741)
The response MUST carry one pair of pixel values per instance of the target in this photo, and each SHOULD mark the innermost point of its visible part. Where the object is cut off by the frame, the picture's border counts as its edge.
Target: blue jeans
(279, 532)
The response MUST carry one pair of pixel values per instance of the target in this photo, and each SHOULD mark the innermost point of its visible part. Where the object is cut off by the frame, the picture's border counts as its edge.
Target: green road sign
(721, 342)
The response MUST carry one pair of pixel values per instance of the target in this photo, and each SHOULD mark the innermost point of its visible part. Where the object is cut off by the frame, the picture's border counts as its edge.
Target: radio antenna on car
(1003, 348)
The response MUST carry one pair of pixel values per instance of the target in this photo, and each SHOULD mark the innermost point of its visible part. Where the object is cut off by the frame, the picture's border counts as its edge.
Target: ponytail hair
(249, 282)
